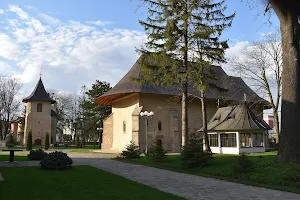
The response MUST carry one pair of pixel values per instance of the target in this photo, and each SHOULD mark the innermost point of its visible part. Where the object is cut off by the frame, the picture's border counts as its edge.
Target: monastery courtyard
(180, 184)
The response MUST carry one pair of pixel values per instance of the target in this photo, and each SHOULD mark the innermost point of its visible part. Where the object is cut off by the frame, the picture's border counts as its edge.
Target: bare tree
(63, 106)
(261, 65)
(9, 103)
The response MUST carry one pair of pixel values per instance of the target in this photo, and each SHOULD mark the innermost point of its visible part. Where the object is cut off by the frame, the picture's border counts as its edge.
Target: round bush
(56, 161)
(36, 154)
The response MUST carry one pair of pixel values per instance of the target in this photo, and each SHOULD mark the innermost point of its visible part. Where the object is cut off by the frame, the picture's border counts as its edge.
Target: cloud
(16, 9)
(99, 23)
(8, 48)
(49, 19)
(5, 68)
(70, 53)
(1, 11)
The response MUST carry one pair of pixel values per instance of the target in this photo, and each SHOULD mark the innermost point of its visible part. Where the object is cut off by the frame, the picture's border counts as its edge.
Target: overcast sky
(75, 42)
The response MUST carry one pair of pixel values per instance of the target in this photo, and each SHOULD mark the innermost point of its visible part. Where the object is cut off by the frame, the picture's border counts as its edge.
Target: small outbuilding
(236, 129)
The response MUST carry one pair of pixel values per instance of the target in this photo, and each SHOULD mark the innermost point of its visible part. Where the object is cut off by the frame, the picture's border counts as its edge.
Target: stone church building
(39, 118)
(128, 99)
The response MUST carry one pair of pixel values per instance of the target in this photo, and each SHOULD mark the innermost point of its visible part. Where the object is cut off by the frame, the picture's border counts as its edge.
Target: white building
(236, 129)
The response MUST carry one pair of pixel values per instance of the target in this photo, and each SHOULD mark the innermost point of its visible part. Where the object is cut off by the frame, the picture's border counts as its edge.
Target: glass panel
(228, 140)
(258, 140)
(245, 139)
(213, 140)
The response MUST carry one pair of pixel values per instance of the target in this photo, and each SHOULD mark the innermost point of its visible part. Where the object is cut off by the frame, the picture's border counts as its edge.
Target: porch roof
(236, 118)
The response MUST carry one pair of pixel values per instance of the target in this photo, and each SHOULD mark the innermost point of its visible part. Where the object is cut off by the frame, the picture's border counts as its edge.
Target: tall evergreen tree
(209, 49)
(174, 28)
(93, 114)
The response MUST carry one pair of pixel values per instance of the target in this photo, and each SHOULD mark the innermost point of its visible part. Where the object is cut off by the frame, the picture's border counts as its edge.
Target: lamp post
(100, 129)
(146, 115)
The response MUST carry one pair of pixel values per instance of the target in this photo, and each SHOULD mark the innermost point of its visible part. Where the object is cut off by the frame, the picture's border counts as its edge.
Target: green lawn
(81, 182)
(266, 172)
(5, 157)
(87, 147)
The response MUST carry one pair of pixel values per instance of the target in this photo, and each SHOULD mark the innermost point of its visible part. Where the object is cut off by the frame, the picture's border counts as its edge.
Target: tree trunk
(185, 133)
(204, 122)
(184, 105)
(289, 149)
(276, 126)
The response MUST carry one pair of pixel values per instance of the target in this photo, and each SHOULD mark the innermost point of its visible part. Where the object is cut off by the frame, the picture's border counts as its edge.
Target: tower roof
(236, 118)
(39, 94)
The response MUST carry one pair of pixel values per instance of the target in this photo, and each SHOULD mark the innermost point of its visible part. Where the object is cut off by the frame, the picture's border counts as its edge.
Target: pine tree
(174, 29)
(47, 141)
(93, 113)
(209, 49)
(29, 141)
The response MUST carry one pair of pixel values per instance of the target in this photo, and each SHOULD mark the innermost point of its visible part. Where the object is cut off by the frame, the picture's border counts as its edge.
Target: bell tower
(38, 114)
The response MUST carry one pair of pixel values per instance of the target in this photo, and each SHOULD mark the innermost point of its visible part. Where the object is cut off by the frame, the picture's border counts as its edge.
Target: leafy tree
(29, 141)
(174, 28)
(92, 113)
(47, 141)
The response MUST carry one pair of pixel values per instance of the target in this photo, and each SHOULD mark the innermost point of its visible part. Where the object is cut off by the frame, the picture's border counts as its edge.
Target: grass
(266, 173)
(81, 182)
(5, 157)
(86, 147)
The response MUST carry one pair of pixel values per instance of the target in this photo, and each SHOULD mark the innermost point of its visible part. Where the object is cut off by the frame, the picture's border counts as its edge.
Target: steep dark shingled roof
(39, 94)
(234, 86)
(236, 118)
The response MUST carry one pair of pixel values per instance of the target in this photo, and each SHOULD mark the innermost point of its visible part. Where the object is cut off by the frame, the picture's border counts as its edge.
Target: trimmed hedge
(56, 161)
(36, 154)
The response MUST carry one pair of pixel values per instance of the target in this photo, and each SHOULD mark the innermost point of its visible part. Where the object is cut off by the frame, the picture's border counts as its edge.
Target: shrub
(36, 154)
(29, 141)
(131, 151)
(47, 141)
(193, 155)
(243, 164)
(56, 161)
(157, 152)
(77, 142)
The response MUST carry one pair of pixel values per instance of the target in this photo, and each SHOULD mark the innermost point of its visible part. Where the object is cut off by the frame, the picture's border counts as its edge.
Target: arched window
(40, 107)
(159, 125)
(124, 127)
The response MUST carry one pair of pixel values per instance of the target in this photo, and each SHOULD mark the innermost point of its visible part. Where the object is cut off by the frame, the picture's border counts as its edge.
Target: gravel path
(184, 185)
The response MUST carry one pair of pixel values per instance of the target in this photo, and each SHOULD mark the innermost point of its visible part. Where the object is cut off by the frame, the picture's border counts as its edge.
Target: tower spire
(41, 72)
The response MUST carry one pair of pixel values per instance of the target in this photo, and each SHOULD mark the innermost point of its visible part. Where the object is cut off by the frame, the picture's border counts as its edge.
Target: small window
(228, 140)
(159, 125)
(213, 140)
(40, 107)
(124, 127)
(245, 140)
(258, 140)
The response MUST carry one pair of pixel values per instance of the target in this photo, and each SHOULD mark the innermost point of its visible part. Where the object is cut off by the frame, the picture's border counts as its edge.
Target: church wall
(38, 122)
(107, 136)
(122, 110)
(167, 110)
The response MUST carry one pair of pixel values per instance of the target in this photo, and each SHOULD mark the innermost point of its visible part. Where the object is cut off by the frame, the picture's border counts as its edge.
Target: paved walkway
(184, 185)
